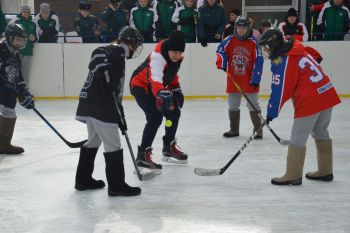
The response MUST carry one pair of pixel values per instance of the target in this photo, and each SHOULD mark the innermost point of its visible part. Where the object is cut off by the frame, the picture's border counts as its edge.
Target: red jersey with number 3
(299, 77)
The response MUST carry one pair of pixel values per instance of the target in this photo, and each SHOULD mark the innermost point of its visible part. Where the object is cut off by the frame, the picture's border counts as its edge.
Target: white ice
(37, 192)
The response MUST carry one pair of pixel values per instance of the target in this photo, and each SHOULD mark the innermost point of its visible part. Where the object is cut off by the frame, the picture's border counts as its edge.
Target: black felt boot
(83, 178)
(116, 176)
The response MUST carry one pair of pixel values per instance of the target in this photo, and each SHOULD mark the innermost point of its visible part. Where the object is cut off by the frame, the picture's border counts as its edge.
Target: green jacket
(30, 28)
(187, 18)
(143, 18)
(2, 22)
(47, 29)
(165, 10)
(85, 27)
(335, 21)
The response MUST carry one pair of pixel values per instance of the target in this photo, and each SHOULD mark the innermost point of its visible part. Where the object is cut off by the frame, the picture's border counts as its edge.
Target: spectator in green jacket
(334, 18)
(47, 24)
(143, 18)
(25, 20)
(2, 22)
(164, 10)
(186, 18)
(115, 17)
(87, 25)
(211, 22)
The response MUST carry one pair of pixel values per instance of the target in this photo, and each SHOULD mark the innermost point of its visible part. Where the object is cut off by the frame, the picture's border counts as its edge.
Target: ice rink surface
(37, 192)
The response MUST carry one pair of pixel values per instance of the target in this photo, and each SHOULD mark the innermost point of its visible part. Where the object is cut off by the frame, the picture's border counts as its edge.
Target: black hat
(292, 12)
(176, 41)
(114, 1)
(84, 5)
(236, 12)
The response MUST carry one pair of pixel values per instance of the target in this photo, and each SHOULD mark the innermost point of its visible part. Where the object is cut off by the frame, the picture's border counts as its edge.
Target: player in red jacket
(239, 55)
(297, 76)
(156, 88)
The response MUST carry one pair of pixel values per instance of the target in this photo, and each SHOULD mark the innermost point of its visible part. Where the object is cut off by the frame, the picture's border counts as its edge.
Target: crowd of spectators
(202, 21)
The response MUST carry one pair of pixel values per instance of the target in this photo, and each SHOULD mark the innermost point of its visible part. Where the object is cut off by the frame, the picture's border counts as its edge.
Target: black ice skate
(172, 153)
(144, 159)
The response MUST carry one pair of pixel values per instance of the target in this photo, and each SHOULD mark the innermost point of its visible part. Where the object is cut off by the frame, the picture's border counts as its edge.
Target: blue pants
(154, 118)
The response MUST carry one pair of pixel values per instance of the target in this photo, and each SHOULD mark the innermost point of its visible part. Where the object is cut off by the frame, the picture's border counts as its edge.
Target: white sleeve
(155, 18)
(175, 18)
(280, 27)
(39, 32)
(131, 20)
(320, 16)
(157, 65)
(306, 34)
(58, 26)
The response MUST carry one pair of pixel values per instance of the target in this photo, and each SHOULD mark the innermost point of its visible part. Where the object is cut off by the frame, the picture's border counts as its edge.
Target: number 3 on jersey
(316, 73)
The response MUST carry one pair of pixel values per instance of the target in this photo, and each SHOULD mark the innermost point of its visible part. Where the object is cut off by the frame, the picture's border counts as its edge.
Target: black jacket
(96, 99)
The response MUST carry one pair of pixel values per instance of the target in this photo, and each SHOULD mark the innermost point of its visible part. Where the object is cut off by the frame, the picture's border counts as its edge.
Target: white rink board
(60, 70)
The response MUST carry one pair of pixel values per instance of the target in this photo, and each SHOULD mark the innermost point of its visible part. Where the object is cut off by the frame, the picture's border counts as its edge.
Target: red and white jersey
(157, 72)
(299, 77)
(243, 61)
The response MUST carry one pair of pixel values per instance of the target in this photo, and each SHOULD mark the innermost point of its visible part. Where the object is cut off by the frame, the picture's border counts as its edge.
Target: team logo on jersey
(240, 60)
(277, 61)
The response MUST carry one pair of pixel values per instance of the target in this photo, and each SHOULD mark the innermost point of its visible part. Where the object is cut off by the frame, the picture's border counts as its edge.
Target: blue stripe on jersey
(259, 63)
(278, 69)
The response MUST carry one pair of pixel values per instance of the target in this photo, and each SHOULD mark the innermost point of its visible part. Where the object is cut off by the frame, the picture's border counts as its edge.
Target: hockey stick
(217, 172)
(70, 144)
(281, 141)
(141, 177)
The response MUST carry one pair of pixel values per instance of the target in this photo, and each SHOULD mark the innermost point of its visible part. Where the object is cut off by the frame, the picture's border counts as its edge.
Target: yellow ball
(168, 123)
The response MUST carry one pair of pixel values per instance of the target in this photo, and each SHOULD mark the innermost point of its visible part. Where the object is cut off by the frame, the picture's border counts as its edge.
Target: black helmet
(243, 21)
(273, 44)
(16, 30)
(132, 37)
(83, 5)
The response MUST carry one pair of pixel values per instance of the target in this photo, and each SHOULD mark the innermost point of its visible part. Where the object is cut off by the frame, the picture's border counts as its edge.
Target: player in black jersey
(12, 86)
(97, 109)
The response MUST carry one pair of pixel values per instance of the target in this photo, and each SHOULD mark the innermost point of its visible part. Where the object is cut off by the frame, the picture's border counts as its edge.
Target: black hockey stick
(70, 144)
(281, 141)
(217, 172)
(141, 177)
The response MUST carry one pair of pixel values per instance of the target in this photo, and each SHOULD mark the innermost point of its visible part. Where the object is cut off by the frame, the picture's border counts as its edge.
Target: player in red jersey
(297, 76)
(239, 55)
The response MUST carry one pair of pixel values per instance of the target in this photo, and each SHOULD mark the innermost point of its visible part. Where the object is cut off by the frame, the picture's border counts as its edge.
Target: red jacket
(157, 72)
(299, 77)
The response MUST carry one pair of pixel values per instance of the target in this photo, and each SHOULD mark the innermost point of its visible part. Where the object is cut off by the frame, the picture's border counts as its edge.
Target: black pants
(154, 118)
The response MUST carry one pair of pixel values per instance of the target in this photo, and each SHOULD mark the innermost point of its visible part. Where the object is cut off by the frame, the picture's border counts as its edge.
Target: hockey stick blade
(284, 142)
(147, 174)
(76, 144)
(207, 172)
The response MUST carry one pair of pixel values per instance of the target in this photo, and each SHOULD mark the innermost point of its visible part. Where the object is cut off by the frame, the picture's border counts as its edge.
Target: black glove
(26, 99)
(164, 101)
(121, 119)
(204, 42)
(268, 120)
(178, 97)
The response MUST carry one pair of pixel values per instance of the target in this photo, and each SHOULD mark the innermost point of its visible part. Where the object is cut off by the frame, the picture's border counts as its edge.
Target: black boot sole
(113, 193)
(81, 187)
(329, 177)
(288, 182)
